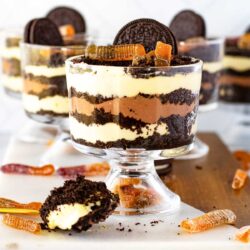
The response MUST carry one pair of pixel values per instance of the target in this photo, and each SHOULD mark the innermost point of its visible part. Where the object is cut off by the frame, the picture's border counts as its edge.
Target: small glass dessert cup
(211, 52)
(45, 95)
(133, 116)
(10, 62)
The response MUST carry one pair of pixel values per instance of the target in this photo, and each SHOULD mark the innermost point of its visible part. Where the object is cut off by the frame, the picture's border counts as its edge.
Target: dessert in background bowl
(135, 102)
(10, 62)
(235, 79)
(45, 98)
(235, 85)
(45, 95)
(210, 51)
(190, 30)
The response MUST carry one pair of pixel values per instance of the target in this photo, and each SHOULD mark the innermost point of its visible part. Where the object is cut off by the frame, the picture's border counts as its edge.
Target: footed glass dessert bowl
(235, 86)
(211, 52)
(133, 116)
(45, 95)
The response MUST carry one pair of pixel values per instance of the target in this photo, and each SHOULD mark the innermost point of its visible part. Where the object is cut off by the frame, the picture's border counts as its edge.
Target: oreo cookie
(27, 31)
(65, 15)
(42, 31)
(148, 32)
(188, 24)
(248, 30)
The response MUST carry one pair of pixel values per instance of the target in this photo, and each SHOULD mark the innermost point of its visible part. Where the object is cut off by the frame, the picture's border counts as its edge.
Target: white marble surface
(165, 235)
(223, 17)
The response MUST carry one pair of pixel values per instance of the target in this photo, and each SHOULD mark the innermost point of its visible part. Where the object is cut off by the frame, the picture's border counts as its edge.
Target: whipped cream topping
(113, 81)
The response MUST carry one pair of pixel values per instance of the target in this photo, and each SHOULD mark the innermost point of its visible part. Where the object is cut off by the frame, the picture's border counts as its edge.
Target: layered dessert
(45, 95)
(122, 96)
(122, 107)
(77, 205)
(235, 79)
(190, 30)
(11, 66)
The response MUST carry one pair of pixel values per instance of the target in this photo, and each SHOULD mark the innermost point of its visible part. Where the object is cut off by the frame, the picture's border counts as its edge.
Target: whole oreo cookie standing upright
(26, 35)
(42, 31)
(65, 15)
(148, 32)
(188, 24)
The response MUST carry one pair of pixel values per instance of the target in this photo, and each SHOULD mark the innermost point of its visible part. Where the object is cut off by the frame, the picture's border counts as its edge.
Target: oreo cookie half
(187, 24)
(42, 31)
(148, 32)
(65, 15)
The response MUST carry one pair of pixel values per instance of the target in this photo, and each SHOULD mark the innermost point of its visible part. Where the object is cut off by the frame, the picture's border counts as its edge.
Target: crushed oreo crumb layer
(179, 96)
(235, 51)
(179, 135)
(235, 93)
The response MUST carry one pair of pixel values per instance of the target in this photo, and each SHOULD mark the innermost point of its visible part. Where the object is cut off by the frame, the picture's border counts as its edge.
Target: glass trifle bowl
(133, 116)
(211, 52)
(45, 95)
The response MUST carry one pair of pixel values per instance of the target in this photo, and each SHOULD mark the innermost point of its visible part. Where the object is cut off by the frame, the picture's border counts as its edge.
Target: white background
(223, 17)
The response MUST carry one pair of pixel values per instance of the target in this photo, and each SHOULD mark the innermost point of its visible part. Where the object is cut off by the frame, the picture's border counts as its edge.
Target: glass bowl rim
(40, 46)
(198, 63)
(207, 41)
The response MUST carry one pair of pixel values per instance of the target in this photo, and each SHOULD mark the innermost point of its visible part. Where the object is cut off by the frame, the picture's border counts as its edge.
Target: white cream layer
(212, 67)
(14, 83)
(113, 81)
(65, 216)
(12, 52)
(44, 70)
(238, 63)
(111, 131)
(57, 104)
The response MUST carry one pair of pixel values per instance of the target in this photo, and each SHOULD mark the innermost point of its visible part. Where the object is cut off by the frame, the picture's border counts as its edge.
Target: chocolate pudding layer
(45, 88)
(129, 107)
(235, 79)
(211, 53)
(11, 67)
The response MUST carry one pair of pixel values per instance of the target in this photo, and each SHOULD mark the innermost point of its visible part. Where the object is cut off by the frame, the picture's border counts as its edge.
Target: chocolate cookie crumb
(198, 167)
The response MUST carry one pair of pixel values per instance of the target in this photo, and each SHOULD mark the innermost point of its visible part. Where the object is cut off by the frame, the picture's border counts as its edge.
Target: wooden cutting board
(205, 183)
